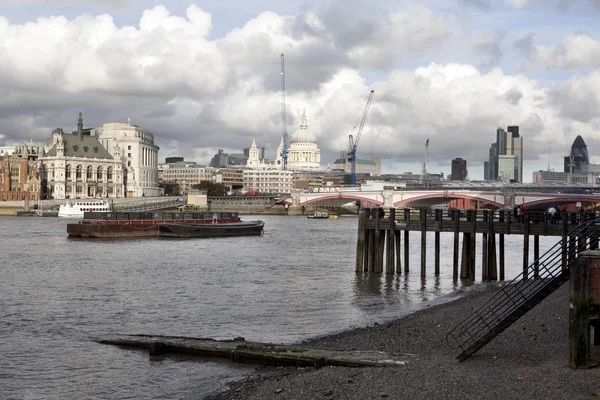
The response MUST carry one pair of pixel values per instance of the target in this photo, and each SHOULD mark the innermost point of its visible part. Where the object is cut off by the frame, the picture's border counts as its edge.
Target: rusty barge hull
(112, 231)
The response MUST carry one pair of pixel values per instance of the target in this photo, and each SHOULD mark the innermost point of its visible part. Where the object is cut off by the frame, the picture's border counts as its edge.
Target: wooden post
(423, 215)
(377, 244)
(360, 243)
(579, 313)
(525, 244)
(455, 220)
(536, 256)
(565, 231)
(371, 244)
(484, 251)
(438, 217)
(406, 243)
(466, 258)
(473, 243)
(391, 240)
(501, 242)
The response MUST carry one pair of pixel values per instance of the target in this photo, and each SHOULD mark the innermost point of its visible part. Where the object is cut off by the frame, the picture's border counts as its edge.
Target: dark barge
(142, 224)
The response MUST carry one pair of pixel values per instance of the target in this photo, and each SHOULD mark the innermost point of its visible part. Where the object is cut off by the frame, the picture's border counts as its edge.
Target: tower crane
(354, 142)
(286, 144)
(425, 158)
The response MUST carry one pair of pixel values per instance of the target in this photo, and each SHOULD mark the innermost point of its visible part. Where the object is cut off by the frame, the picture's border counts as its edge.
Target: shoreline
(528, 360)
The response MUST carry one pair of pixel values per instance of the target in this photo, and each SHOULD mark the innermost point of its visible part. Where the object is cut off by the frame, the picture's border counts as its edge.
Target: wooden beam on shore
(240, 351)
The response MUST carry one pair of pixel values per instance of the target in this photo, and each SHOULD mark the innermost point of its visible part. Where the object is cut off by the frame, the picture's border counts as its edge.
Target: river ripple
(295, 282)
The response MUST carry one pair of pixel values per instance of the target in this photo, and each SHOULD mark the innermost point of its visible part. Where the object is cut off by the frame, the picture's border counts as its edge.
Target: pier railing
(543, 276)
(149, 205)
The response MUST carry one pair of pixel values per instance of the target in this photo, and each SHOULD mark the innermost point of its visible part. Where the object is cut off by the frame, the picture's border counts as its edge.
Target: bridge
(439, 198)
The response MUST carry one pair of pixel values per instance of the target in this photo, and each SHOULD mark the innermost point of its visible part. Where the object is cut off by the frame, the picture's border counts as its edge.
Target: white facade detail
(269, 181)
(254, 160)
(135, 148)
(78, 166)
(303, 153)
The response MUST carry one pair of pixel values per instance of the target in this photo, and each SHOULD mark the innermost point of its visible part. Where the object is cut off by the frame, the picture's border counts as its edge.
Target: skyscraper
(459, 169)
(508, 143)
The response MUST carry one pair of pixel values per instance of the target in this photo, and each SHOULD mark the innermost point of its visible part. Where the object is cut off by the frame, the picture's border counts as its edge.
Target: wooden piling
(501, 241)
(423, 216)
(536, 256)
(525, 217)
(456, 220)
(473, 243)
(484, 251)
(360, 242)
(371, 245)
(377, 247)
(391, 240)
(438, 218)
(406, 240)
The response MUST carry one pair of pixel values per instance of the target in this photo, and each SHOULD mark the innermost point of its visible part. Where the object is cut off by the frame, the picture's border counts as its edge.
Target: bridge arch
(449, 196)
(343, 196)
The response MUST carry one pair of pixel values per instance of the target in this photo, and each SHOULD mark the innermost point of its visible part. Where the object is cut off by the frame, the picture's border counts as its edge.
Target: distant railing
(150, 204)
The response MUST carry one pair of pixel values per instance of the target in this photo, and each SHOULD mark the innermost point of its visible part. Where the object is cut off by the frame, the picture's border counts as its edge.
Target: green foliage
(211, 188)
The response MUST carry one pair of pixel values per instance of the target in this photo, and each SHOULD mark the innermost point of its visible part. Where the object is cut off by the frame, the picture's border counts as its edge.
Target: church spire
(303, 124)
(80, 126)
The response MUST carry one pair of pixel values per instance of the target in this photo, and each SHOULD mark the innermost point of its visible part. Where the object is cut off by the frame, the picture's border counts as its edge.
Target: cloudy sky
(205, 75)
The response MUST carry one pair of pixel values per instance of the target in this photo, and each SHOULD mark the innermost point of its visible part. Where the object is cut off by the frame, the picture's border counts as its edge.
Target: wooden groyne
(240, 351)
(379, 242)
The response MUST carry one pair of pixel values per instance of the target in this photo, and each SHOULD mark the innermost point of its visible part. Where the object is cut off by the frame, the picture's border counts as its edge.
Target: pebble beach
(527, 361)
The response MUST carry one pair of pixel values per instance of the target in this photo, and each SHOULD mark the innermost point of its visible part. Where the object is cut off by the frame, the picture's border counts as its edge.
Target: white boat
(76, 208)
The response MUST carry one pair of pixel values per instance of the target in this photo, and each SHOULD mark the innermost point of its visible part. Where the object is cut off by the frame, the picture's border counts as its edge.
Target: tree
(211, 188)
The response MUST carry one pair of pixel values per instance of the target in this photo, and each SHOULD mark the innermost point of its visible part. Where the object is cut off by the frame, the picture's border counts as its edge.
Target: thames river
(297, 281)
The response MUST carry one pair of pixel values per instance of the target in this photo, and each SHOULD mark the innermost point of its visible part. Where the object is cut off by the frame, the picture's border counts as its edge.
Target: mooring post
(579, 312)
(438, 218)
(501, 241)
(391, 240)
(455, 221)
(406, 240)
(526, 222)
(360, 242)
(423, 217)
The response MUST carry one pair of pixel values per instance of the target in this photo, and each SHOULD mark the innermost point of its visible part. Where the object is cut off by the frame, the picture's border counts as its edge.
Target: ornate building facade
(19, 178)
(78, 166)
(135, 148)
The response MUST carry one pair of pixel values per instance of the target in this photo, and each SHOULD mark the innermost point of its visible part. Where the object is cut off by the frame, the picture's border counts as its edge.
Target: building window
(99, 174)
(109, 174)
(129, 147)
(129, 155)
(89, 172)
(68, 171)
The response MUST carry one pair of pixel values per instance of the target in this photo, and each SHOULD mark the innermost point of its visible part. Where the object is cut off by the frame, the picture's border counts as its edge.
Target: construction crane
(425, 158)
(286, 140)
(571, 156)
(354, 142)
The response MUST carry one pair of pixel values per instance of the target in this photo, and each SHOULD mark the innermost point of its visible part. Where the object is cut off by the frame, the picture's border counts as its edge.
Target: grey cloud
(490, 49)
(483, 4)
(525, 44)
(513, 96)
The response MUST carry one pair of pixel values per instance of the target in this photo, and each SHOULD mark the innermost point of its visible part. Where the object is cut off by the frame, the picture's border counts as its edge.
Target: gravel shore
(527, 361)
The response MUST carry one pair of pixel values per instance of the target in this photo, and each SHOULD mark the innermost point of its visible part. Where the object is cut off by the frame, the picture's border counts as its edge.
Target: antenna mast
(283, 121)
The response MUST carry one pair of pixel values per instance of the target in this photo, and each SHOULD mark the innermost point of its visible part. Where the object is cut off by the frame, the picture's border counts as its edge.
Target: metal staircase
(520, 295)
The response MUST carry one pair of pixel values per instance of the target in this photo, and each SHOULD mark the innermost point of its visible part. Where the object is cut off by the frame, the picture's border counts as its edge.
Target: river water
(297, 281)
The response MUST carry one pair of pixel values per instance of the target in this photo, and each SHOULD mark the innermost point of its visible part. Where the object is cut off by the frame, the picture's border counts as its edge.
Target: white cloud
(111, 3)
(199, 94)
(576, 51)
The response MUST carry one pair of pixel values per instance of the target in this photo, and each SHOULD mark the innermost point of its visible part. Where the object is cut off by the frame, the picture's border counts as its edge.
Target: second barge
(141, 224)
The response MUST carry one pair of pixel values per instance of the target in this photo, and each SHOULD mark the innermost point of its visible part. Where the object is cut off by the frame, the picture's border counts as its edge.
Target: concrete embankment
(528, 360)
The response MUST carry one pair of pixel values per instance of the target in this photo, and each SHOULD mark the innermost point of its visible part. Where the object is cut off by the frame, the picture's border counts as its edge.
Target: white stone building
(269, 181)
(135, 147)
(303, 154)
(78, 166)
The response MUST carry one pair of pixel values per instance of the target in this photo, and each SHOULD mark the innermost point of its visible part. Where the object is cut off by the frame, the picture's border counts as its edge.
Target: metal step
(520, 295)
